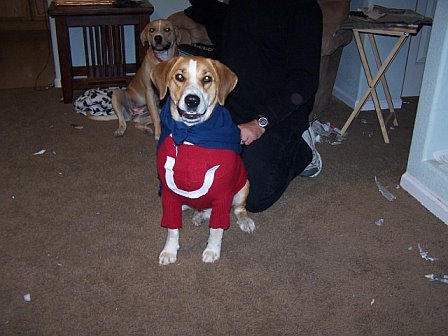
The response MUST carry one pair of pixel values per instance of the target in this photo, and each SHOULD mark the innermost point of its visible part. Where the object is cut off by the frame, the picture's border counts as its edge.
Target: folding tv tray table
(402, 31)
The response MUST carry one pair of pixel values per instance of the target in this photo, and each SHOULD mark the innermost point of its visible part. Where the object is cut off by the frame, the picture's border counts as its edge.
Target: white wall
(351, 81)
(425, 179)
(164, 8)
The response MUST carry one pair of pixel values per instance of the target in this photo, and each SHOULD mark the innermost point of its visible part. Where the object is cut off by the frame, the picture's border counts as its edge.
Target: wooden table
(104, 44)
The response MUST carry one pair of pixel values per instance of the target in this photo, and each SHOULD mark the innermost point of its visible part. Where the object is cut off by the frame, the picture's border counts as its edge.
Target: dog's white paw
(120, 132)
(167, 257)
(213, 250)
(246, 224)
(211, 255)
(169, 252)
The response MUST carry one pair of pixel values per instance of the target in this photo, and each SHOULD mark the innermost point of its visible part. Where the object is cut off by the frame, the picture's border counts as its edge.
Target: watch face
(262, 122)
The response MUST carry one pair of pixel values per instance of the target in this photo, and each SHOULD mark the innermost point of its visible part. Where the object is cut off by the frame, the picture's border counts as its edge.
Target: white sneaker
(315, 167)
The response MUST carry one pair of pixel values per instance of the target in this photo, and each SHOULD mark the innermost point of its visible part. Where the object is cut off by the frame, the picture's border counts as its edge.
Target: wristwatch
(263, 122)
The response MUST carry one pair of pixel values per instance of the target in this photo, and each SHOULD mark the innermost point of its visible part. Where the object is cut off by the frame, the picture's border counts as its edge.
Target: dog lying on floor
(198, 157)
(139, 98)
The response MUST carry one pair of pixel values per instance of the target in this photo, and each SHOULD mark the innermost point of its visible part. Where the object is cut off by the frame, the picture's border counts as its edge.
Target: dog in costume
(198, 159)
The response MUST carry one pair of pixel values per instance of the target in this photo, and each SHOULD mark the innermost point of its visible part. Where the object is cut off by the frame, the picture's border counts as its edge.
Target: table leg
(383, 79)
(367, 93)
(372, 87)
(65, 59)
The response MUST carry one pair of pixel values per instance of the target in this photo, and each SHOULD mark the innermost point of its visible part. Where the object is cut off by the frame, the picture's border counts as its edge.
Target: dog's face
(195, 84)
(161, 35)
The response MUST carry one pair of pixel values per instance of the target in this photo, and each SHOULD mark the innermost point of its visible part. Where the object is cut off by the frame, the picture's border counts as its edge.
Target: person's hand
(250, 132)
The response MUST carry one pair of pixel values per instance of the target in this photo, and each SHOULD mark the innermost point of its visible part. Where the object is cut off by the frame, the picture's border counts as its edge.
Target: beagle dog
(198, 159)
(140, 97)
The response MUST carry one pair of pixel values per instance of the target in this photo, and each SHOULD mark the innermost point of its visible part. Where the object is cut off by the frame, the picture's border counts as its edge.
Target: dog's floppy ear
(227, 80)
(144, 35)
(160, 75)
(177, 34)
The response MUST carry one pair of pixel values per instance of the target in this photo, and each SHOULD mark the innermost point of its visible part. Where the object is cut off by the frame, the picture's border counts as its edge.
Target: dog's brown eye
(207, 79)
(180, 77)
(152, 30)
(167, 30)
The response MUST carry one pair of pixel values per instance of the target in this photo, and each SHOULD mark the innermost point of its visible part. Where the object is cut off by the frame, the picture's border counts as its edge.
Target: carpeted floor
(80, 233)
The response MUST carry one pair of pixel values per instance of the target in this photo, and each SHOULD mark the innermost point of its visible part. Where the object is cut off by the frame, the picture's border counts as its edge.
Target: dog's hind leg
(200, 217)
(142, 124)
(245, 223)
(169, 252)
(213, 250)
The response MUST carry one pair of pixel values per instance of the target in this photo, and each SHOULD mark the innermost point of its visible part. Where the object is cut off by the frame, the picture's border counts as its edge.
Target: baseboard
(57, 83)
(368, 106)
(426, 197)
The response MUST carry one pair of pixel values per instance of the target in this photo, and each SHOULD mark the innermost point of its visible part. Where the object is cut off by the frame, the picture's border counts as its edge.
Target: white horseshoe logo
(169, 177)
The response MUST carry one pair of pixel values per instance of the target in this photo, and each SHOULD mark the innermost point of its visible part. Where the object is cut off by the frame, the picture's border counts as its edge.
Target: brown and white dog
(196, 86)
(140, 97)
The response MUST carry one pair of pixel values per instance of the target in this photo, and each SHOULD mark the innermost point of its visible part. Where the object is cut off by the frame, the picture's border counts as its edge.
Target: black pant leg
(272, 162)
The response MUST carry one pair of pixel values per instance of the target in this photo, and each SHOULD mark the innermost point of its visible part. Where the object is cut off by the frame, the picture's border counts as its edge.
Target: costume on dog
(199, 166)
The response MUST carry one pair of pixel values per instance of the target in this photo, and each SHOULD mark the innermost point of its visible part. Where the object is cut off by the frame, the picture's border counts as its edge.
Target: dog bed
(95, 102)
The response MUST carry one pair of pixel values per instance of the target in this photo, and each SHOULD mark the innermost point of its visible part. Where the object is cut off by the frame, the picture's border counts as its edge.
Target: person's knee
(257, 205)
(263, 196)
(269, 163)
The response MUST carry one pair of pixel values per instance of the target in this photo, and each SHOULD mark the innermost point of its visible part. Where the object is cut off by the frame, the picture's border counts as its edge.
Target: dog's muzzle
(158, 43)
(191, 113)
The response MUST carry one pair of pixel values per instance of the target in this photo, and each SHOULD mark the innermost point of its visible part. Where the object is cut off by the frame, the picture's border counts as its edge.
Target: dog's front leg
(152, 102)
(118, 101)
(169, 252)
(213, 250)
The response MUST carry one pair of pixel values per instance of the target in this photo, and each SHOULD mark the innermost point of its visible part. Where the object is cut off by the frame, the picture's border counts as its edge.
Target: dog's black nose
(158, 39)
(192, 101)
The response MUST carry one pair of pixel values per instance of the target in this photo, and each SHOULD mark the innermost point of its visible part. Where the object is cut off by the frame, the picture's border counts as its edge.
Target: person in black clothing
(274, 48)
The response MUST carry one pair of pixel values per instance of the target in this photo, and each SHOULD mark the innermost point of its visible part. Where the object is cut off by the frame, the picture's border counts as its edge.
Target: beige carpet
(79, 232)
